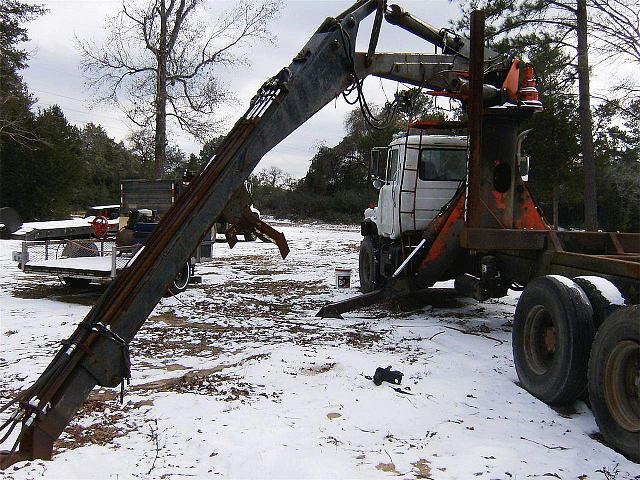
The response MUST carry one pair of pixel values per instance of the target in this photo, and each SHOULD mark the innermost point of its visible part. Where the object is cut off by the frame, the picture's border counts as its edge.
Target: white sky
(54, 75)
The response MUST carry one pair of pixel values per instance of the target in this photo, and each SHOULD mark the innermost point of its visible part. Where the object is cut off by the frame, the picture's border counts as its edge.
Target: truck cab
(416, 176)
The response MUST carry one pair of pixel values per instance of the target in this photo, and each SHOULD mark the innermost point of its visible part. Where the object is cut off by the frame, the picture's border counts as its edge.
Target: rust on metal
(437, 124)
(475, 108)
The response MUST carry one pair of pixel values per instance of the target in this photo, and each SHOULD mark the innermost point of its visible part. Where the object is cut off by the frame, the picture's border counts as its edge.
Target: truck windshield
(443, 164)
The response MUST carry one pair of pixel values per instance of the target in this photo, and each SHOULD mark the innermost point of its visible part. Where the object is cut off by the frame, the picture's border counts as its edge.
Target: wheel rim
(622, 384)
(182, 279)
(540, 340)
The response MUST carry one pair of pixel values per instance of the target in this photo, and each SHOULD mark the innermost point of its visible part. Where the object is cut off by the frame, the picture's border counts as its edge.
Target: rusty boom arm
(97, 352)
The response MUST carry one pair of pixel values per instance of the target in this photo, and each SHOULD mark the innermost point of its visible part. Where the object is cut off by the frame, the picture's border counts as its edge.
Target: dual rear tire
(614, 381)
(558, 356)
(552, 334)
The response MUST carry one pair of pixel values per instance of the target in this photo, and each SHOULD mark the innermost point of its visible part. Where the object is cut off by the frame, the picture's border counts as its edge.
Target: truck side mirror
(523, 166)
(374, 163)
(377, 161)
(523, 160)
(377, 183)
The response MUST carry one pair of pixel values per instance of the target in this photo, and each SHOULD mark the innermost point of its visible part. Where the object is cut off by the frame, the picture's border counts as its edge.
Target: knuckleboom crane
(97, 351)
(328, 65)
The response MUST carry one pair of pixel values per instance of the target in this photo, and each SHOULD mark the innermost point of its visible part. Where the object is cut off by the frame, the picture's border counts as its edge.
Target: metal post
(25, 254)
(46, 249)
(114, 252)
(476, 71)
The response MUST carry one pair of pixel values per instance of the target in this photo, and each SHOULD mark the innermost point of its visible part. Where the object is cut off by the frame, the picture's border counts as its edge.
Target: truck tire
(552, 335)
(181, 281)
(614, 381)
(604, 297)
(369, 264)
(250, 237)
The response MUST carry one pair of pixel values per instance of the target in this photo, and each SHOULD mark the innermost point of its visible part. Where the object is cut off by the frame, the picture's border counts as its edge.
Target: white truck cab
(416, 175)
(415, 188)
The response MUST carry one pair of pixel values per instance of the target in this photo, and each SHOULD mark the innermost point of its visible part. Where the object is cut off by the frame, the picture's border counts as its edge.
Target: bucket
(343, 277)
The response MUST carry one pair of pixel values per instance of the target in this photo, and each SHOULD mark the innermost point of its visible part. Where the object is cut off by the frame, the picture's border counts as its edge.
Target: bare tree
(273, 177)
(615, 25)
(159, 59)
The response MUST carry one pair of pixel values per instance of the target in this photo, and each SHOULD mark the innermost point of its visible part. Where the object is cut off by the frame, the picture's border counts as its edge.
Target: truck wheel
(73, 282)
(250, 237)
(181, 281)
(369, 264)
(604, 297)
(614, 381)
(552, 335)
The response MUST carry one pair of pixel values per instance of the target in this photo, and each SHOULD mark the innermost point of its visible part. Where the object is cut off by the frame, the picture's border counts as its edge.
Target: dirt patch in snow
(388, 467)
(210, 381)
(58, 292)
(316, 369)
(109, 425)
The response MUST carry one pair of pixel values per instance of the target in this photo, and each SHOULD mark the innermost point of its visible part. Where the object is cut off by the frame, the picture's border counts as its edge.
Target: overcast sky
(54, 74)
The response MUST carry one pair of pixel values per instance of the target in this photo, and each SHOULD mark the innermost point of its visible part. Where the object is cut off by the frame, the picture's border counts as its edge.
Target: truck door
(387, 199)
(440, 171)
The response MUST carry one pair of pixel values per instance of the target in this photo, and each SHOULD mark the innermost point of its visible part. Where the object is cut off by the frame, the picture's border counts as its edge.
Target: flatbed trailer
(79, 262)
(53, 230)
(97, 260)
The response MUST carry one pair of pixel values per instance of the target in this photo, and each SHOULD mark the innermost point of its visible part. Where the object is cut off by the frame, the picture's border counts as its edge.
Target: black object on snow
(387, 375)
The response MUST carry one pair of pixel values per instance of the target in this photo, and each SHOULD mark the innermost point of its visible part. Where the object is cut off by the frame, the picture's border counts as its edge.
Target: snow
(29, 226)
(572, 285)
(237, 378)
(608, 290)
(104, 207)
(60, 224)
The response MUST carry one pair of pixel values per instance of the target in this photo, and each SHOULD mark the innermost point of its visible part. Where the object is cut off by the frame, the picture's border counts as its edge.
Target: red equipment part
(100, 227)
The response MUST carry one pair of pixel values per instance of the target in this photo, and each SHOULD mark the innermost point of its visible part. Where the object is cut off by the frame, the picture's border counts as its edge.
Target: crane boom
(97, 352)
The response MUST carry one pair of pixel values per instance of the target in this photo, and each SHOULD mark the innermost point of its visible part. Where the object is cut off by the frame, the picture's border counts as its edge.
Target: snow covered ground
(236, 378)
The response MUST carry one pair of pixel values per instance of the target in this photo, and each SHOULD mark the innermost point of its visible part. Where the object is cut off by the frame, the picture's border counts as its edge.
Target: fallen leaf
(387, 467)
(424, 470)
